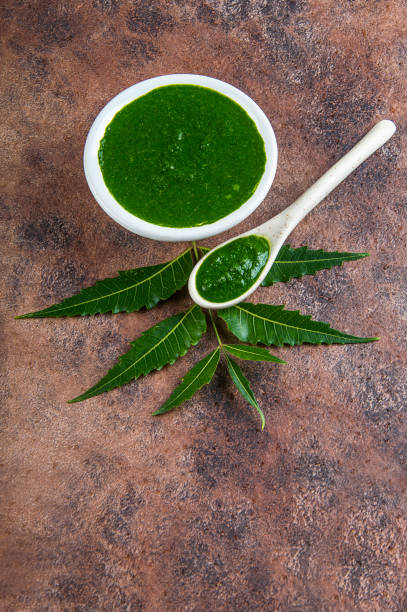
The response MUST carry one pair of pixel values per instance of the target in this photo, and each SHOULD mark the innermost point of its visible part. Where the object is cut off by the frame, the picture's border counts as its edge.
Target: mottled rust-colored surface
(106, 508)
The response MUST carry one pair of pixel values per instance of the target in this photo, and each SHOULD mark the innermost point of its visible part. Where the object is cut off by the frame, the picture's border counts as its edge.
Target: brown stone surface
(107, 508)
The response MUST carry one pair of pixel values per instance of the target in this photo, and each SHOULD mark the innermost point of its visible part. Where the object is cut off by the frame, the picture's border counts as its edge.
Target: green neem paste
(182, 156)
(231, 270)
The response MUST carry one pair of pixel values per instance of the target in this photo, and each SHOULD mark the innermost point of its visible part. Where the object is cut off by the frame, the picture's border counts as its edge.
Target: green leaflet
(242, 384)
(130, 291)
(274, 325)
(295, 263)
(198, 376)
(251, 353)
(156, 347)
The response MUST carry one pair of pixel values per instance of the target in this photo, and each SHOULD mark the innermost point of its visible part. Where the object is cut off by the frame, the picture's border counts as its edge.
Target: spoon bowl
(277, 229)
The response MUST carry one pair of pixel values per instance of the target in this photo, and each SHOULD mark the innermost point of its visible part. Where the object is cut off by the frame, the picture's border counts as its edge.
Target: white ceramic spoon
(277, 229)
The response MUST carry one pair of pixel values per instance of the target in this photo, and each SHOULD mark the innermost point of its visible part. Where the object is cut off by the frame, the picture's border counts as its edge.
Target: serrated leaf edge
(227, 348)
(297, 275)
(342, 259)
(252, 400)
(308, 317)
(216, 352)
(121, 272)
(180, 322)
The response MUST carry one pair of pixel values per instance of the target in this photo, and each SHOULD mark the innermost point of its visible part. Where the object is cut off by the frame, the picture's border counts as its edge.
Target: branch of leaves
(168, 340)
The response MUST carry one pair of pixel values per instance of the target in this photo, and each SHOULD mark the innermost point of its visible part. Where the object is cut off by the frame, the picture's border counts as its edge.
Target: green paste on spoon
(231, 270)
(182, 156)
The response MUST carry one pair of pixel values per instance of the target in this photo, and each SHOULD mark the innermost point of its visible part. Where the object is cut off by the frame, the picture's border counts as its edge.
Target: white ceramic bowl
(105, 199)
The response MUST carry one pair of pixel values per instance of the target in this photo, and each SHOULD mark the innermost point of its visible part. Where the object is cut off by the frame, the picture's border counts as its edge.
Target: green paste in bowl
(182, 156)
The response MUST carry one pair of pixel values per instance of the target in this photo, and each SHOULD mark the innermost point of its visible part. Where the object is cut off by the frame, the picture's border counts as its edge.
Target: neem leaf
(295, 263)
(130, 291)
(201, 374)
(251, 353)
(243, 386)
(274, 325)
(156, 347)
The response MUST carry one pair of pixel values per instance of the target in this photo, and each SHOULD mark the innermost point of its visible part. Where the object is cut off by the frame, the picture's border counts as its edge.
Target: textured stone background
(106, 508)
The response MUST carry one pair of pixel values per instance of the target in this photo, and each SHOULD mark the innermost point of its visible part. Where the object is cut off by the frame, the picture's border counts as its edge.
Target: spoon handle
(373, 140)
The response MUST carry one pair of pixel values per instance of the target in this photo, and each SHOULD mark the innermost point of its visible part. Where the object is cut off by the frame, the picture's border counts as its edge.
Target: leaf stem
(216, 329)
(197, 257)
(209, 311)
(195, 250)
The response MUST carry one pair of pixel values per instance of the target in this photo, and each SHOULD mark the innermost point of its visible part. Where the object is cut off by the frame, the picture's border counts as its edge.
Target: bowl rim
(136, 225)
